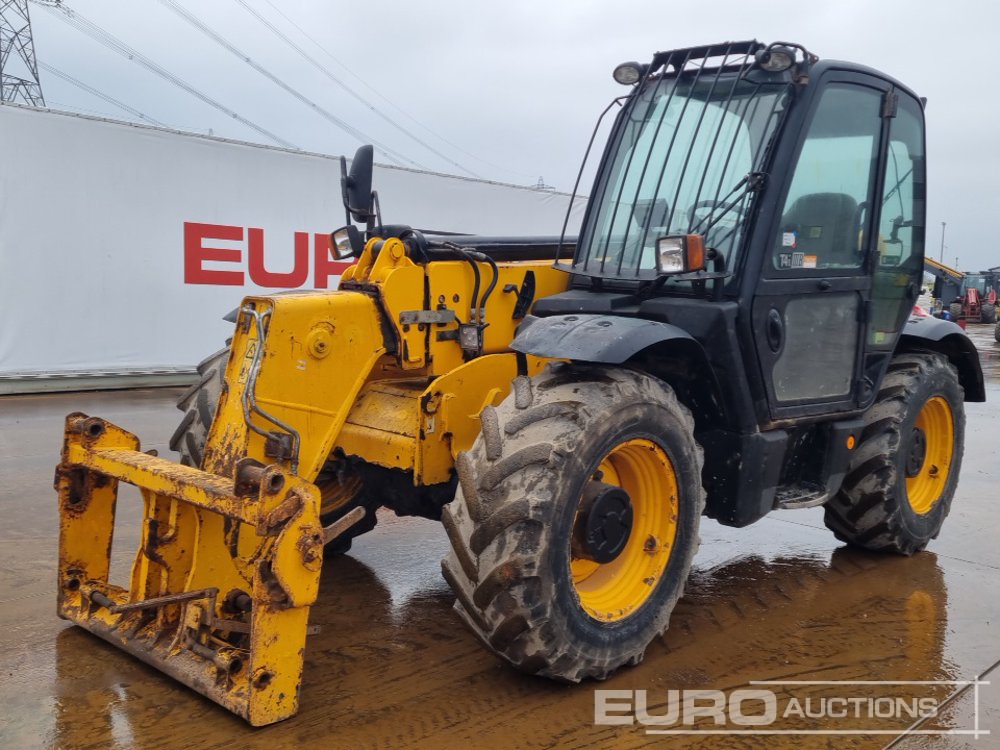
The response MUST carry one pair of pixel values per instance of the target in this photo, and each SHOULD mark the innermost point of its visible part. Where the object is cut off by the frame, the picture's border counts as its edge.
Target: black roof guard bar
(739, 57)
(660, 60)
(678, 59)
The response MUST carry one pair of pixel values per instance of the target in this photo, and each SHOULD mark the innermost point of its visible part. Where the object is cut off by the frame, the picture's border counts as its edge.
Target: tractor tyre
(340, 488)
(996, 331)
(902, 476)
(576, 520)
(198, 404)
(955, 308)
(988, 313)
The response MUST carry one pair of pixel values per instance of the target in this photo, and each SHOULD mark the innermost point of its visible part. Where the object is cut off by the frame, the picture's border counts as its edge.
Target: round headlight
(628, 73)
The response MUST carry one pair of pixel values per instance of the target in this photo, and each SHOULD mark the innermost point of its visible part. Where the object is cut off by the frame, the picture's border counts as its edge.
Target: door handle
(775, 330)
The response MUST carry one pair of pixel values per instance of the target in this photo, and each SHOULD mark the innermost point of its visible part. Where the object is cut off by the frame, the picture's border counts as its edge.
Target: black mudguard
(609, 339)
(948, 338)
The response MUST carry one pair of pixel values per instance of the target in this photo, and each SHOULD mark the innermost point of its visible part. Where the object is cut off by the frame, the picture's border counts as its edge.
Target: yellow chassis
(231, 552)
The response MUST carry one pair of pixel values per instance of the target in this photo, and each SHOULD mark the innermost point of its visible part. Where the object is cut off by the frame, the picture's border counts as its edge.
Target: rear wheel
(576, 520)
(339, 485)
(902, 476)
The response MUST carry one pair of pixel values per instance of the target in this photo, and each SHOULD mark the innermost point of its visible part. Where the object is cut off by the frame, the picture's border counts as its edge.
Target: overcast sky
(511, 90)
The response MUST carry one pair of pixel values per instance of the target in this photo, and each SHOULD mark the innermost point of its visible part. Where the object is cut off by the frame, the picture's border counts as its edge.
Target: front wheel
(988, 313)
(902, 476)
(576, 520)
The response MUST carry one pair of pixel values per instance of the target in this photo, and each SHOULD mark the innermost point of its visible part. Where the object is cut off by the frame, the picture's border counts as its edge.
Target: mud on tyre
(543, 567)
(902, 476)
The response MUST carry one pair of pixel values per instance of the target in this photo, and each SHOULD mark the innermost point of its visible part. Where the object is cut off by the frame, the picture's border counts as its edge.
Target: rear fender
(922, 334)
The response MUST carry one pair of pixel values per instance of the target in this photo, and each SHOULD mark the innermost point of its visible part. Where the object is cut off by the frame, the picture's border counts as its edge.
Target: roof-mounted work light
(775, 59)
(629, 73)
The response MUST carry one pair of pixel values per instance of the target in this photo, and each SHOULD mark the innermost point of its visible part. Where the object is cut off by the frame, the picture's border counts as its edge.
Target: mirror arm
(375, 218)
(344, 184)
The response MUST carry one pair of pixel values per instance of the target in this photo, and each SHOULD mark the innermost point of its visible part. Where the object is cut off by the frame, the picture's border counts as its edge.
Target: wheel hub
(918, 452)
(603, 523)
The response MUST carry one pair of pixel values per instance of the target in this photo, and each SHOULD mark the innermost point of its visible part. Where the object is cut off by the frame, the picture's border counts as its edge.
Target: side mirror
(356, 187)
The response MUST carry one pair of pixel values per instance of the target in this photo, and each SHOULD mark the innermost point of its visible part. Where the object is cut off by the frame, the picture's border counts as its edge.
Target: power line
(98, 34)
(326, 71)
(99, 94)
(384, 98)
(76, 109)
(211, 34)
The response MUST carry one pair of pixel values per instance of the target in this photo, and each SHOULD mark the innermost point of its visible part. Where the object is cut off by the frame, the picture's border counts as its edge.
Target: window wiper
(750, 183)
(896, 187)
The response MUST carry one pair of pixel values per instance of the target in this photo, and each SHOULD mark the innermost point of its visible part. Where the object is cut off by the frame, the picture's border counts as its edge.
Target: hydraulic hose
(467, 256)
(493, 283)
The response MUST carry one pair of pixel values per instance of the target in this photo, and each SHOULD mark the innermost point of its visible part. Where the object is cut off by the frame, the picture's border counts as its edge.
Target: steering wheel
(737, 211)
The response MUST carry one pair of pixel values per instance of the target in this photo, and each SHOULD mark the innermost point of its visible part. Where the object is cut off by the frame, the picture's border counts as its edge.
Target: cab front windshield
(973, 281)
(684, 150)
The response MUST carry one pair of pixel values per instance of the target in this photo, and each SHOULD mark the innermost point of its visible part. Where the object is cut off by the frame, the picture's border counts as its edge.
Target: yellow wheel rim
(935, 427)
(335, 494)
(612, 591)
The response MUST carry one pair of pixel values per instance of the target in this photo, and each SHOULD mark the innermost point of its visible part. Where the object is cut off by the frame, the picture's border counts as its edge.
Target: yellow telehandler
(728, 334)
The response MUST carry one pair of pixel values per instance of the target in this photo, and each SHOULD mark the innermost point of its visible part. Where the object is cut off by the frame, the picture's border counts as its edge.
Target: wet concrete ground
(394, 668)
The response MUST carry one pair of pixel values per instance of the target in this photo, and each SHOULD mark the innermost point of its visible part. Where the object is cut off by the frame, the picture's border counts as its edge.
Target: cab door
(812, 302)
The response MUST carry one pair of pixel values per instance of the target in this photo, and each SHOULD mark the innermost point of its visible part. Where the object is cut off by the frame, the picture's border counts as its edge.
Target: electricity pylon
(18, 67)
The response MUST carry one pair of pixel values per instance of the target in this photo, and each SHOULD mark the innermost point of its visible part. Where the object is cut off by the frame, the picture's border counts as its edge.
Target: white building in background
(122, 245)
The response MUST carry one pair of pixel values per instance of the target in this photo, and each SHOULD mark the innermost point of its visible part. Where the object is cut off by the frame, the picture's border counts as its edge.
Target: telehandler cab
(728, 334)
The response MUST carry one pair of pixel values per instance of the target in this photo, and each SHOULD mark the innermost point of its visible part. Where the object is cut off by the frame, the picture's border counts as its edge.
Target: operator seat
(826, 226)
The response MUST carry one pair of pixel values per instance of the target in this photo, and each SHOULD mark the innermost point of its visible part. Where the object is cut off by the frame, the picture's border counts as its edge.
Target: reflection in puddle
(845, 615)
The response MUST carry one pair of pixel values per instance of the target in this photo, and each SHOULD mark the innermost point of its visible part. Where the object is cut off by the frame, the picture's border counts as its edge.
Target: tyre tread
(868, 510)
(495, 530)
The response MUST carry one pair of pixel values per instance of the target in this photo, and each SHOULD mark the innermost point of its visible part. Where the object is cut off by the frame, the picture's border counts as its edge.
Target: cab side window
(899, 265)
(829, 197)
